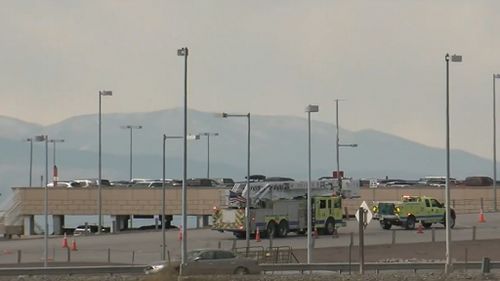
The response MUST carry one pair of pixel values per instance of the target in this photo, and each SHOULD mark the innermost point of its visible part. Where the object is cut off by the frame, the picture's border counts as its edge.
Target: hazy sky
(385, 58)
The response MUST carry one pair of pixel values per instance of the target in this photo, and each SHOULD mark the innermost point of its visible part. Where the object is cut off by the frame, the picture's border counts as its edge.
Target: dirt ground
(431, 251)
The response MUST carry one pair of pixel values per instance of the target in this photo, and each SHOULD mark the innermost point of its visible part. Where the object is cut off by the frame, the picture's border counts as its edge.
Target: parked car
(89, 228)
(202, 182)
(212, 262)
(225, 182)
(68, 184)
(478, 181)
(92, 182)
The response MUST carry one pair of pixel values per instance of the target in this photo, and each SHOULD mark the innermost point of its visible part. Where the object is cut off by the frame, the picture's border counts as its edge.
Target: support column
(168, 221)
(120, 222)
(29, 225)
(58, 223)
(202, 221)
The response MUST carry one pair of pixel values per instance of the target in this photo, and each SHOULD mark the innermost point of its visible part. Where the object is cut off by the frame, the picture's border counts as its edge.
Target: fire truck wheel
(385, 224)
(329, 226)
(427, 225)
(410, 222)
(283, 228)
(452, 221)
(271, 229)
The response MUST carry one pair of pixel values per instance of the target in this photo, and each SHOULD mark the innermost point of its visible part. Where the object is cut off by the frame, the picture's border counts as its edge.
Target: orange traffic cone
(179, 236)
(65, 241)
(73, 246)
(7, 252)
(420, 229)
(257, 235)
(481, 216)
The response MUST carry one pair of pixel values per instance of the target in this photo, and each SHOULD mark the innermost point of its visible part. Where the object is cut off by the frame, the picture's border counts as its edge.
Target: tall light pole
(495, 76)
(184, 53)
(54, 141)
(448, 265)
(208, 150)
(131, 128)
(99, 199)
(30, 140)
(45, 138)
(310, 108)
(337, 145)
(247, 196)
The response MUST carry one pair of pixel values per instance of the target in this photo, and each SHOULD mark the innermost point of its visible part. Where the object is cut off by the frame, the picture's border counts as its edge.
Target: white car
(68, 184)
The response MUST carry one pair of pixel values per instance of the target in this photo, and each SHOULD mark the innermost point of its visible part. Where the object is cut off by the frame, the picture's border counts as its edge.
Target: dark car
(225, 182)
(202, 182)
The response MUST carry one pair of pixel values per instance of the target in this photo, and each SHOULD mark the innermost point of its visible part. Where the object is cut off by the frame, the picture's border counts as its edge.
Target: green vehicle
(410, 211)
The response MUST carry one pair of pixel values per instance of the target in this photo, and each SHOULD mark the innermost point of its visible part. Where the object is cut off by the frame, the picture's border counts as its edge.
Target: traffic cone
(420, 229)
(7, 252)
(73, 246)
(179, 236)
(481, 216)
(65, 241)
(257, 235)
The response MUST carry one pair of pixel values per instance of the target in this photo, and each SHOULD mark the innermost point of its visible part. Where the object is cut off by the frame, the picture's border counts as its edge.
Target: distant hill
(278, 148)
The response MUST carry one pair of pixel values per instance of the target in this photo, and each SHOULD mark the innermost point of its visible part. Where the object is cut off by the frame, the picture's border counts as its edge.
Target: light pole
(99, 199)
(337, 145)
(208, 149)
(54, 141)
(247, 196)
(183, 52)
(448, 265)
(495, 76)
(45, 138)
(163, 255)
(310, 108)
(165, 138)
(30, 140)
(131, 128)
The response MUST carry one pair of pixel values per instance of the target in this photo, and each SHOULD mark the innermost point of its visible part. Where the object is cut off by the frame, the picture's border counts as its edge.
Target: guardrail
(485, 266)
(65, 270)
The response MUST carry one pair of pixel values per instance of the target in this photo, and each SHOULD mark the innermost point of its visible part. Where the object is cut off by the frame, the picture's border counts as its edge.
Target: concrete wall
(147, 201)
(119, 201)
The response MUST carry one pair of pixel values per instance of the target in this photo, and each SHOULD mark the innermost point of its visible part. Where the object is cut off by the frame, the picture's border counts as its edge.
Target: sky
(384, 59)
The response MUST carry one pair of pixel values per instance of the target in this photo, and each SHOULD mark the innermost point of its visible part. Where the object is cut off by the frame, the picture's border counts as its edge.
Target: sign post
(364, 217)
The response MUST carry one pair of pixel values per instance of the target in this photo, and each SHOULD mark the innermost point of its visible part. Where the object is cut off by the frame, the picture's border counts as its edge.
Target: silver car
(211, 262)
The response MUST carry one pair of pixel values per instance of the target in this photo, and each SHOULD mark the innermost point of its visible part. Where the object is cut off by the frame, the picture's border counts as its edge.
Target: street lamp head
(131, 127)
(456, 58)
(221, 115)
(312, 108)
(56, 140)
(182, 52)
(193, 137)
(105, 93)
(41, 138)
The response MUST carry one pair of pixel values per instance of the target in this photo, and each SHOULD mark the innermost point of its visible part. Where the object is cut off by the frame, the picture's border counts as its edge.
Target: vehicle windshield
(193, 254)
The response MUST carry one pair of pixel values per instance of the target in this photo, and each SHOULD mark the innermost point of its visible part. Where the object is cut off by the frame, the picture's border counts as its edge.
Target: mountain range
(278, 148)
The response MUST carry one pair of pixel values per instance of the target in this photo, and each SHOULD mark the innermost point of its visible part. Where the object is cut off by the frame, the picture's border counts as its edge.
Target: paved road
(144, 247)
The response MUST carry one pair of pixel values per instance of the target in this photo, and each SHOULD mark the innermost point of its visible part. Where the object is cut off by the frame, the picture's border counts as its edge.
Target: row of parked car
(436, 182)
(145, 183)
